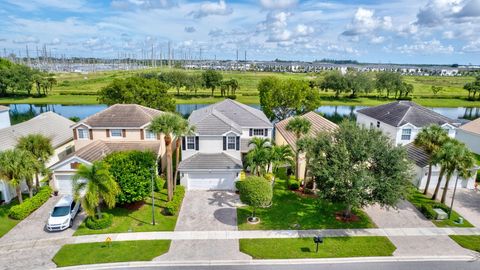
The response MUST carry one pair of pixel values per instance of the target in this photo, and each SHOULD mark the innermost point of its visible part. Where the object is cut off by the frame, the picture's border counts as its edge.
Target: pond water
(23, 112)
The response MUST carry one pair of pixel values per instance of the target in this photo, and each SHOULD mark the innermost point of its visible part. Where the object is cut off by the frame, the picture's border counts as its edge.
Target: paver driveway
(467, 203)
(407, 216)
(33, 228)
(206, 211)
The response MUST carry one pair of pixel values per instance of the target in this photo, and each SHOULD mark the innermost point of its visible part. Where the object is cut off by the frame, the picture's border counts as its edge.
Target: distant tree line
(473, 88)
(21, 80)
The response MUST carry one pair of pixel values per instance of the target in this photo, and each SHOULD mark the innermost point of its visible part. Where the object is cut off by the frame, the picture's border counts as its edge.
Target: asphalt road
(430, 265)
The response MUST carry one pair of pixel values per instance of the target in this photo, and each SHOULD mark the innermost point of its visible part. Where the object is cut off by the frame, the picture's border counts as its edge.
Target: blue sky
(397, 31)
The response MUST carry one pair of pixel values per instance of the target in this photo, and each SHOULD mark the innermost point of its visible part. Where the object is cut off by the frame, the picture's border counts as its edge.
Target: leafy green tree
(169, 124)
(40, 147)
(436, 89)
(95, 185)
(473, 87)
(388, 81)
(430, 138)
(334, 81)
(256, 192)
(300, 127)
(194, 82)
(132, 170)
(358, 82)
(17, 165)
(357, 167)
(280, 99)
(259, 156)
(176, 79)
(212, 79)
(406, 89)
(138, 90)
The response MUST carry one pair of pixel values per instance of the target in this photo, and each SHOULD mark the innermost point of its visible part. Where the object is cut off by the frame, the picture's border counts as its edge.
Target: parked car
(63, 214)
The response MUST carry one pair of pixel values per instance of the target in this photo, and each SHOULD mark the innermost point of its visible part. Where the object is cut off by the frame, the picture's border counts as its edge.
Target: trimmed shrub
(232, 96)
(174, 205)
(22, 211)
(294, 185)
(95, 223)
(159, 184)
(256, 192)
(427, 211)
(132, 172)
(269, 177)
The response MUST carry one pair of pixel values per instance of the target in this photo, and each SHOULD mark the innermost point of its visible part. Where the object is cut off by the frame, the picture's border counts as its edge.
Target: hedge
(22, 211)
(95, 223)
(159, 184)
(173, 206)
(255, 191)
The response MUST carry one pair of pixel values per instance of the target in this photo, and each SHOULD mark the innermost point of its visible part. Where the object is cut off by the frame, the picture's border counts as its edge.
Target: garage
(64, 184)
(210, 180)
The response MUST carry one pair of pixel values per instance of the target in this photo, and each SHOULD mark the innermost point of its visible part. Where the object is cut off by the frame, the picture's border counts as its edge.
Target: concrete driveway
(407, 216)
(467, 203)
(33, 228)
(206, 211)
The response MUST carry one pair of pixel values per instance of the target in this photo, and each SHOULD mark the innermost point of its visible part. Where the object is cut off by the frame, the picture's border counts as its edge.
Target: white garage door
(211, 181)
(64, 184)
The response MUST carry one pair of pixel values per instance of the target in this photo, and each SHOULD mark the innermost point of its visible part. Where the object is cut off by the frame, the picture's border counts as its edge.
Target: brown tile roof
(472, 126)
(319, 124)
(4, 108)
(97, 150)
(122, 116)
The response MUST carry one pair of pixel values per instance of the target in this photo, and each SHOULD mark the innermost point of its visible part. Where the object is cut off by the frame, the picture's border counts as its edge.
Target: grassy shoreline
(363, 101)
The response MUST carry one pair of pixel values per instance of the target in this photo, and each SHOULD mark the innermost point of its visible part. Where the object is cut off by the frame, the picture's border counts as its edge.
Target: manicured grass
(124, 251)
(478, 158)
(299, 248)
(125, 220)
(291, 211)
(418, 199)
(468, 241)
(6, 223)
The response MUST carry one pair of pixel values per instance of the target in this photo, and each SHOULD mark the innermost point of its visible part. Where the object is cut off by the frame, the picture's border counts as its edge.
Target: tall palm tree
(304, 145)
(300, 126)
(40, 147)
(280, 155)
(17, 165)
(258, 157)
(430, 138)
(94, 184)
(184, 129)
(169, 124)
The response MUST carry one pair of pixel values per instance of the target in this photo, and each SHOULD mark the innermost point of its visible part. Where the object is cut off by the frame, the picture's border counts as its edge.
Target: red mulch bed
(133, 206)
(353, 218)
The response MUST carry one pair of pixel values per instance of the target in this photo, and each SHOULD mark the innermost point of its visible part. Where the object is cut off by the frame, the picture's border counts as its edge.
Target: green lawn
(291, 211)
(123, 251)
(125, 220)
(478, 158)
(299, 248)
(468, 241)
(6, 223)
(418, 199)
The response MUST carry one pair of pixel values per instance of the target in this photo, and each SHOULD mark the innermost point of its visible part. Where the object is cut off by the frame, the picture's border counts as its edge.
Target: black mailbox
(317, 239)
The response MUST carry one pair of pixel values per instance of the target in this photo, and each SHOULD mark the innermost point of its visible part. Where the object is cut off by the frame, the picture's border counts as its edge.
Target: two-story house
(120, 127)
(212, 157)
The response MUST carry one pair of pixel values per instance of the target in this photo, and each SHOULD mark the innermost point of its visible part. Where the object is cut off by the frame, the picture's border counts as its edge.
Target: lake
(23, 112)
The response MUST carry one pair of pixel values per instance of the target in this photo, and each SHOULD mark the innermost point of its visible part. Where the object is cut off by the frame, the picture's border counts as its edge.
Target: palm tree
(94, 184)
(304, 145)
(40, 147)
(280, 155)
(169, 124)
(300, 126)
(17, 165)
(184, 129)
(258, 157)
(430, 138)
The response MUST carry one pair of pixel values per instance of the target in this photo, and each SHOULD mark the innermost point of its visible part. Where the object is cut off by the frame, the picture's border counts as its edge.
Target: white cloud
(278, 4)
(472, 47)
(70, 5)
(212, 8)
(143, 4)
(96, 43)
(190, 29)
(426, 48)
(365, 22)
(26, 40)
(55, 41)
(303, 30)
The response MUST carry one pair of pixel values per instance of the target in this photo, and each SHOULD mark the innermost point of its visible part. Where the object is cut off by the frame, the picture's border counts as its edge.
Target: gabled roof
(399, 113)
(49, 124)
(216, 161)
(417, 155)
(472, 126)
(97, 150)
(4, 108)
(319, 124)
(121, 116)
(227, 115)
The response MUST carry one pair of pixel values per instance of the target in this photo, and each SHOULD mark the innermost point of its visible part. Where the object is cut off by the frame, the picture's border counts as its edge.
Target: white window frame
(116, 136)
(258, 132)
(406, 136)
(231, 143)
(83, 134)
(190, 142)
(150, 135)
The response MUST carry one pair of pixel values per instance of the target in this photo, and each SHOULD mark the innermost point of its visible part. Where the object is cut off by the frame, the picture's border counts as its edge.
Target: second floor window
(258, 132)
(406, 134)
(191, 143)
(150, 135)
(231, 143)
(83, 134)
(116, 133)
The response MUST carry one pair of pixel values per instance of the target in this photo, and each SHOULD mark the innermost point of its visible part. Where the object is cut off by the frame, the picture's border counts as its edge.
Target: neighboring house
(4, 116)
(49, 124)
(402, 120)
(121, 127)
(285, 137)
(470, 135)
(212, 157)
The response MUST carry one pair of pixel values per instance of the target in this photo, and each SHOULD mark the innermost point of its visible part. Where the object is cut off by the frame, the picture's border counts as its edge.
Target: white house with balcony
(212, 157)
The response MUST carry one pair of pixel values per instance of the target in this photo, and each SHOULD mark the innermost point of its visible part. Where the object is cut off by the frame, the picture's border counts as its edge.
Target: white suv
(63, 214)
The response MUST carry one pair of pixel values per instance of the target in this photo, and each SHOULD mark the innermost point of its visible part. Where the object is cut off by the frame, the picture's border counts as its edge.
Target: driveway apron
(206, 211)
